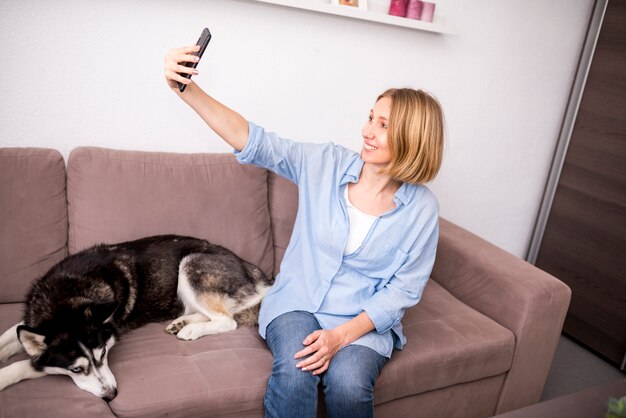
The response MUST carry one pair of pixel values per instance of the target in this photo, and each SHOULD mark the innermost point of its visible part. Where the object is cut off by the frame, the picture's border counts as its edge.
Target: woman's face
(375, 148)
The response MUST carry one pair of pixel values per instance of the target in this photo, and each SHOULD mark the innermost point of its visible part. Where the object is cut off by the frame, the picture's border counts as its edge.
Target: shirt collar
(353, 172)
(404, 194)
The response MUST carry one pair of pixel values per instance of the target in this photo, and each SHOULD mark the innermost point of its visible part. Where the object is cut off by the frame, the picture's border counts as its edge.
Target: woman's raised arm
(228, 124)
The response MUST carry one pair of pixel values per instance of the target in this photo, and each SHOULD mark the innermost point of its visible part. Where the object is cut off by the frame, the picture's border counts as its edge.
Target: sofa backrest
(121, 195)
(283, 203)
(115, 196)
(33, 217)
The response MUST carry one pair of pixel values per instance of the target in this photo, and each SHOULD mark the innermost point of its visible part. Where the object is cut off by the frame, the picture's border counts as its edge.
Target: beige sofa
(480, 342)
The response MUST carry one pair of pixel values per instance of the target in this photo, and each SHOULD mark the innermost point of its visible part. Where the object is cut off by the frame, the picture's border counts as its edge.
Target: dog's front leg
(9, 343)
(16, 372)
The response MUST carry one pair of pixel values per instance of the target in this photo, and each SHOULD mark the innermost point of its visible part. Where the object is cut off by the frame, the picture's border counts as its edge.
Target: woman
(362, 248)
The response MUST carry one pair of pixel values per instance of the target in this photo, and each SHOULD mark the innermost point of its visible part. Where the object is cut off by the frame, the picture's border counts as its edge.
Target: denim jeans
(348, 383)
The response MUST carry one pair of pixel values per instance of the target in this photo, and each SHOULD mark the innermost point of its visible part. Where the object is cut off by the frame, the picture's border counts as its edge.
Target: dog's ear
(101, 312)
(33, 342)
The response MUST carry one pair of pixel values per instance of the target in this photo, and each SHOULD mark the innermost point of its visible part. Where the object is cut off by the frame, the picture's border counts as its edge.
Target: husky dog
(77, 310)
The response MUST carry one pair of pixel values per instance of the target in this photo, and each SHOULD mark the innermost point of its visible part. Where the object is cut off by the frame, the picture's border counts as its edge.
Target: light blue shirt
(383, 277)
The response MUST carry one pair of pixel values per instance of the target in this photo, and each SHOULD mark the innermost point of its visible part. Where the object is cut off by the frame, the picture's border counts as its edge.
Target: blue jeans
(348, 383)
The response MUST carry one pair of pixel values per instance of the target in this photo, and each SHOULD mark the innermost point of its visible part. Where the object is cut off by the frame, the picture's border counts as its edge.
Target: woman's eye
(370, 118)
(77, 370)
(384, 125)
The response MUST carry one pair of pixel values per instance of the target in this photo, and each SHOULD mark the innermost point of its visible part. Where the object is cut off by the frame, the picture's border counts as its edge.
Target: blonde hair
(415, 135)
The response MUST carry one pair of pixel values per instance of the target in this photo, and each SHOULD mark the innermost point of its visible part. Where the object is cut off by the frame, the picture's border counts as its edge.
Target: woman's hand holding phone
(180, 64)
(175, 61)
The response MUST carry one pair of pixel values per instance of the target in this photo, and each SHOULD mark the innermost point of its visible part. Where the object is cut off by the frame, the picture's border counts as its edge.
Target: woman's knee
(349, 389)
(285, 369)
(291, 389)
(284, 337)
(290, 329)
(352, 374)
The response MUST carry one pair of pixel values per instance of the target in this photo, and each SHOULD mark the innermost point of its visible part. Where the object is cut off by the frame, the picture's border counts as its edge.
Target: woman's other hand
(322, 345)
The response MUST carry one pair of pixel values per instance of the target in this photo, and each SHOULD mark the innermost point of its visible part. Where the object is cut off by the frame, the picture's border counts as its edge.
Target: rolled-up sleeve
(386, 307)
(268, 150)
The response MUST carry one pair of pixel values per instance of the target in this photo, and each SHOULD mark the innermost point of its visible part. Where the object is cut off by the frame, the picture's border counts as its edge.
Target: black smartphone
(205, 37)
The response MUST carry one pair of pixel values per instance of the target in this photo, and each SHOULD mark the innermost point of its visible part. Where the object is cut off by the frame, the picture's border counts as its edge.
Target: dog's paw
(191, 332)
(175, 327)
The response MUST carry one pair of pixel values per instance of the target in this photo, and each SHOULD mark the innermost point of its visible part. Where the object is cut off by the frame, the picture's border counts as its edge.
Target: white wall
(76, 72)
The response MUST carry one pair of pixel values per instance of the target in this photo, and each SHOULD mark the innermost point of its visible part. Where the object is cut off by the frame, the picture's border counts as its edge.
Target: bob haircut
(415, 135)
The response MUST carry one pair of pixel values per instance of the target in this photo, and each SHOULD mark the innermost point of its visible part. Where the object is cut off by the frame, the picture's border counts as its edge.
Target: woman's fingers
(305, 352)
(178, 68)
(322, 369)
(312, 362)
(308, 342)
(312, 337)
(184, 58)
(319, 356)
(183, 69)
(177, 63)
(174, 64)
(174, 76)
(320, 350)
(186, 50)
(314, 358)
(315, 366)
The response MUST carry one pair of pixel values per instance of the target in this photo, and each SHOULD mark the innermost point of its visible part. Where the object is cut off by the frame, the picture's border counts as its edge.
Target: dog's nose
(110, 395)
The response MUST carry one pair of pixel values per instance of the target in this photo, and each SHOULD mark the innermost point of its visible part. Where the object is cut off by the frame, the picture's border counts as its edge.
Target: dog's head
(75, 343)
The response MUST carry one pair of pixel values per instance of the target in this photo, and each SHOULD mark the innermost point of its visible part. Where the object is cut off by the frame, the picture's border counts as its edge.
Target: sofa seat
(157, 375)
(448, 343)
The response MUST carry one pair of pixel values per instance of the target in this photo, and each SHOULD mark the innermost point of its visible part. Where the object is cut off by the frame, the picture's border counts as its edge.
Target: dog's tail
(257, 276)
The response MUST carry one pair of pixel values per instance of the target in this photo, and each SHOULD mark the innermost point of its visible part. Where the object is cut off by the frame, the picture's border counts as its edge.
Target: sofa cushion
(447, 343)
(51, 397)
(33, 217)
(218, 375)
(115, 196)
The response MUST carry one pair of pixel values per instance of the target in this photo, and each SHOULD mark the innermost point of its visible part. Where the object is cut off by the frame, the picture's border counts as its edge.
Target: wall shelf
(437, 26)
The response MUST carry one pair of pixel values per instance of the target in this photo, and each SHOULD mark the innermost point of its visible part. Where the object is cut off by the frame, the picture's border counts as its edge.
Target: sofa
(480, 342)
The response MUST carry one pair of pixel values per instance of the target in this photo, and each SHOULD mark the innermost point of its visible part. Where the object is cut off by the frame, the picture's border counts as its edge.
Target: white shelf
(358, 13)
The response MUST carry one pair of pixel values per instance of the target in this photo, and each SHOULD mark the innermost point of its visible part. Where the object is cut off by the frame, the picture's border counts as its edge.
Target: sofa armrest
(528, 301)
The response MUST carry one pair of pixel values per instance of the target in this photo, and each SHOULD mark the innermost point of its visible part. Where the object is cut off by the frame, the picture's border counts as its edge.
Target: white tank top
(360, 224)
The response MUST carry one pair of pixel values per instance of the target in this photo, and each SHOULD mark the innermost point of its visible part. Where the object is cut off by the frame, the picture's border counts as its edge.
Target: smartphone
(205, 37)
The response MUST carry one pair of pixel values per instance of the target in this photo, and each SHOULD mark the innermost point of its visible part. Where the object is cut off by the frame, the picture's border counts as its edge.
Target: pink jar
(414, 9)
(397, 8)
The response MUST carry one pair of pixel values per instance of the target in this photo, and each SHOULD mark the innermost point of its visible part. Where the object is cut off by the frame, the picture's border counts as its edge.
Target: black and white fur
(79, 308)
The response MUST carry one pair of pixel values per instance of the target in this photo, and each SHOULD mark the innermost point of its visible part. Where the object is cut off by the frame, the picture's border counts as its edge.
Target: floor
(575, 368)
